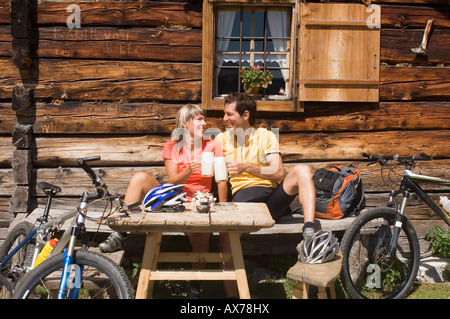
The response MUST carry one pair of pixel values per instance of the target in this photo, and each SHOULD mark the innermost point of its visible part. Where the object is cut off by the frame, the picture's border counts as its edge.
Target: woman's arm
(174, 176)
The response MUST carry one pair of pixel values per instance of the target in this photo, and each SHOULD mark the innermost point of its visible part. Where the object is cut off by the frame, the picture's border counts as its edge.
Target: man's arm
(274, 171)
(222, 189)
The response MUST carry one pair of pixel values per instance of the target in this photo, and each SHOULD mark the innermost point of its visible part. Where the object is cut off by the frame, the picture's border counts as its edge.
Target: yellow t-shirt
(251, 146)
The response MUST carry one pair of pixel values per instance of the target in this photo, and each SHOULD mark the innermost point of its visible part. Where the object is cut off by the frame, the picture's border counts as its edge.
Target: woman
(181, 157)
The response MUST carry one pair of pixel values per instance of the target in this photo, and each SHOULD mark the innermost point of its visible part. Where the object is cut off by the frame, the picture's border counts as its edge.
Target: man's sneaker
(308, 232)
(115, 241)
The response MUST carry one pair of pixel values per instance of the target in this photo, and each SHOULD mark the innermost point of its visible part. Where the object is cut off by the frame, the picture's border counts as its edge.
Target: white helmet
(165, 195)
(319, 248)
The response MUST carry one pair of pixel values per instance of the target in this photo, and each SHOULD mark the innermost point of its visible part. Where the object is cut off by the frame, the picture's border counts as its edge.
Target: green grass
(430, 291)
(274, 285)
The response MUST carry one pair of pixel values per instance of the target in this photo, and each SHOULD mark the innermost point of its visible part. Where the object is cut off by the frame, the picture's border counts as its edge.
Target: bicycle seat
(49, 189)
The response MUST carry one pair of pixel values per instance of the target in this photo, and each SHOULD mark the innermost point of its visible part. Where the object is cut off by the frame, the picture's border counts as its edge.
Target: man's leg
(299, 181)
(254, 194)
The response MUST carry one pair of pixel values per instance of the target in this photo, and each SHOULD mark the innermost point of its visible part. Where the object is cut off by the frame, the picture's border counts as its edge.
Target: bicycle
(381, 251)
(67, 272)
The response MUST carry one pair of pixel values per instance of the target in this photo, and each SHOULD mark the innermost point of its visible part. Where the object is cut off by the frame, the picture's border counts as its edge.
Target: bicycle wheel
(15, 268)
(367, 270)
(99, 278)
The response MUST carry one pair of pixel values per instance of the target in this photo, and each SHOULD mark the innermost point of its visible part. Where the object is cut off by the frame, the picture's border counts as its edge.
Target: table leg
(149, 263)
(239, 266)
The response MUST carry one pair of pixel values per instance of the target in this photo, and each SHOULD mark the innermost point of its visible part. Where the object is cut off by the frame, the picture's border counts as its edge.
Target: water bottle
(445, 202)
(45, 251)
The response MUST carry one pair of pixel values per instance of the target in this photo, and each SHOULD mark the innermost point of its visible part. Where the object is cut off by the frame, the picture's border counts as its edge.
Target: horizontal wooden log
(7, 184)
(347, 146)
(5, 216)
(408, 16)
(413, 16)
(7, 151)
(396, 46)
(165, 44)
(155, 44)
(106, 80)
(123, 13)
(130, 80)
(398, 13)
(295, 147)
(74, 181)
(414, 83)
(75, 117)
(301, 147)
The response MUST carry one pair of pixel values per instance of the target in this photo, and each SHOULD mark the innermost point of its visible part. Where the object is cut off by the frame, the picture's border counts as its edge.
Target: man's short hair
(243, 103)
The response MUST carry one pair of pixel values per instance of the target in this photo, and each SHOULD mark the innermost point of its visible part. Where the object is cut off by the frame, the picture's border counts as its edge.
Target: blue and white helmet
(164, 195)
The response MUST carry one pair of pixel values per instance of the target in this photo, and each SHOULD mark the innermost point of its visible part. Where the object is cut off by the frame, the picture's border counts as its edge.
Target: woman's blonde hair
(185, 114)
(188, 112)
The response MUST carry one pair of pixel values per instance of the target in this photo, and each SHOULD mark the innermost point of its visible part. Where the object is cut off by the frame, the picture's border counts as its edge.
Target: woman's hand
(193, 166)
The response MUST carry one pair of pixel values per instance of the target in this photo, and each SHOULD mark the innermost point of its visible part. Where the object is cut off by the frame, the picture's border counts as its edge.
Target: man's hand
(235, 169)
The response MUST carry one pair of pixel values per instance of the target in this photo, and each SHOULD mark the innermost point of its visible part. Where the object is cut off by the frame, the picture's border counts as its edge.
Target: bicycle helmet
(319, 248)
(164, 196)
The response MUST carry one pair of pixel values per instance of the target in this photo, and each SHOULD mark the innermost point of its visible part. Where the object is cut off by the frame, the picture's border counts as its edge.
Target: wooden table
(244, 217)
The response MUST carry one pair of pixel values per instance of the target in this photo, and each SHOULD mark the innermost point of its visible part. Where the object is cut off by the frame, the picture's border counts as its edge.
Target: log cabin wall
(113, 86)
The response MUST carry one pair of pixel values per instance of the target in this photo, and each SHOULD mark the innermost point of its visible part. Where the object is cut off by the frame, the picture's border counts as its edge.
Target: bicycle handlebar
(403, 159)
(98, 183)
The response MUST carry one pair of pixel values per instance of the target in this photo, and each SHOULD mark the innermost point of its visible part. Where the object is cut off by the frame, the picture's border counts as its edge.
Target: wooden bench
(282, 238)
(319, 275)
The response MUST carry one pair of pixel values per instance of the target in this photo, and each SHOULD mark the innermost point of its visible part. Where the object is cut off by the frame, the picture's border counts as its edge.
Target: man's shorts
(276, 199)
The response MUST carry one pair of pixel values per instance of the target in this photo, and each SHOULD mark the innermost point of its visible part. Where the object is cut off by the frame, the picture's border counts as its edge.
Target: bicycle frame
(40, 242)
(410, 182)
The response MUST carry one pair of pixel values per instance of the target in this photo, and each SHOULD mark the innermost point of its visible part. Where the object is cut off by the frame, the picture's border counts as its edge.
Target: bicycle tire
(365, 272)
(102, 278)
(15, 268)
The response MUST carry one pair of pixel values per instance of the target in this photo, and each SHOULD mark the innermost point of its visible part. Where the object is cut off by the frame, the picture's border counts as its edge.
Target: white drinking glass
(220, 168)
(207, 164)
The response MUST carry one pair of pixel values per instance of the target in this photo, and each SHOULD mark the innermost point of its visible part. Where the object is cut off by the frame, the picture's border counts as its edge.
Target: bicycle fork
(399, 220)
(71, 275)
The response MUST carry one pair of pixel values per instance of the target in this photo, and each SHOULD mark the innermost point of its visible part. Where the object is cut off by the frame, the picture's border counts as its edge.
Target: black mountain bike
(381, 251)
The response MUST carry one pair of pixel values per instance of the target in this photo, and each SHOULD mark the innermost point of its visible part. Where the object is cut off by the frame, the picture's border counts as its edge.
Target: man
(255, 166)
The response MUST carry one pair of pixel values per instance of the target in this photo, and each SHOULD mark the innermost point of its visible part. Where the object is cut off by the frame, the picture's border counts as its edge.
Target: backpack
(339, 192)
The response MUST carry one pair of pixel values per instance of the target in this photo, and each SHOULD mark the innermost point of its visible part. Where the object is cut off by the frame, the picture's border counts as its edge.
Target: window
(252, 36)
(315, 51)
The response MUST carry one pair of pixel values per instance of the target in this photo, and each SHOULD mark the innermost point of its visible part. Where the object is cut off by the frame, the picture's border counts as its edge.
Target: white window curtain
(278, 28)
(224, 29)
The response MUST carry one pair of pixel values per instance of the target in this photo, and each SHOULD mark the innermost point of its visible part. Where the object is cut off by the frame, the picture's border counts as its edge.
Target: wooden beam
(73, 117)
(414, 83)
(396, 46)
(21, 33)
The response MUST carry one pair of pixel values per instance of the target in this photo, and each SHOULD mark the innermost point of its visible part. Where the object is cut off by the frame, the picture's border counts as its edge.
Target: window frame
(252, 52)
(208, 56)
(326, 87)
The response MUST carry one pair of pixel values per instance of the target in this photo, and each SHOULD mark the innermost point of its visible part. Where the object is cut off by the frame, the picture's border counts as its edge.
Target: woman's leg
(140, 184)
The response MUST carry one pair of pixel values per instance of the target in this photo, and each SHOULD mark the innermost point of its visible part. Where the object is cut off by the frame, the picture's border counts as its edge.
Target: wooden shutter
(339, 52)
